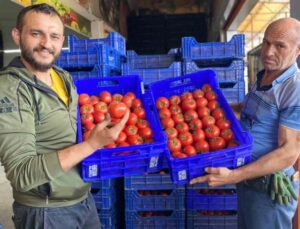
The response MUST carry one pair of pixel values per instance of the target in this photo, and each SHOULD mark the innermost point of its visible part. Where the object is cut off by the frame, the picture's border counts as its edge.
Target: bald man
(271, 113)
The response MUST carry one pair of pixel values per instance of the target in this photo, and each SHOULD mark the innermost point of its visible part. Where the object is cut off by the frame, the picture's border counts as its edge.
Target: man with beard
(268, 187)
(38, 147)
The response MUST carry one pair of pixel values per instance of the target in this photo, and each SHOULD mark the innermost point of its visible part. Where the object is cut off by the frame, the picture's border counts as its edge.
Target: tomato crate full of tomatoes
(141, 145)
(201, 128)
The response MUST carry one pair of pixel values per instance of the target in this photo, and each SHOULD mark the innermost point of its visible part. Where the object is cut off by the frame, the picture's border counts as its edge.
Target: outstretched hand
(215, 177)
(104, 134)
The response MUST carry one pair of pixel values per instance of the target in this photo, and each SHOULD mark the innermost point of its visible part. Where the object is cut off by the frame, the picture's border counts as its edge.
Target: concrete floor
(5, 202)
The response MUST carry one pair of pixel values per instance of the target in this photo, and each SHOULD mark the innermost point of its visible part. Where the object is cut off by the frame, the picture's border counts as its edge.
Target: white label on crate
(153, 162)
(93, 170)
(182, 175)
(142, 87)
(240, 161)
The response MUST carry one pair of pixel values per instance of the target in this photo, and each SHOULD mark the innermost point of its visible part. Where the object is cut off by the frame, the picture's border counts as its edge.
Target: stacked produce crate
(226, 58)
(154, 201)
(92, 58)
(152, 68)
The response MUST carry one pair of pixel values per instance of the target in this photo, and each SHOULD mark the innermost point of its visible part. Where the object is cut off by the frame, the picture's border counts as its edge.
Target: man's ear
(16, 35)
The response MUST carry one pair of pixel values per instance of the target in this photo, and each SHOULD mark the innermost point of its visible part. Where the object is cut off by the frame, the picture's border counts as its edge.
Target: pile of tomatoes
(195, 123)
(93, 110)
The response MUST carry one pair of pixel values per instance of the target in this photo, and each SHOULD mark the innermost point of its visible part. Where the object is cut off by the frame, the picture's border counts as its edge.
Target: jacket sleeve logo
(6, 106)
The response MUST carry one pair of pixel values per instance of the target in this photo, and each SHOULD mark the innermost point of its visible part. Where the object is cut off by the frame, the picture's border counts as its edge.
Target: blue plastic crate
(114, 39)
(106, 183)
(184, 169)
(154, 181)
(153, 74)
(100, 55)
(200, 201)
(105, 199)
(135, 61)
(209, 51)
(108, 219)
(206, 186)
(164, 200)
(109, 163)
(96, 72)
(234, 92)
(232, 73)
(176, 220)
(196, 220)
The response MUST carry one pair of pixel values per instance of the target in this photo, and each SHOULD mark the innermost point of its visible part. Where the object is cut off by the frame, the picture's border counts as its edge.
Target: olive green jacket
(34, 124)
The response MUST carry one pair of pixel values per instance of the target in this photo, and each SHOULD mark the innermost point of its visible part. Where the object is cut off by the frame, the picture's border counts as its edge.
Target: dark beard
(28, 56)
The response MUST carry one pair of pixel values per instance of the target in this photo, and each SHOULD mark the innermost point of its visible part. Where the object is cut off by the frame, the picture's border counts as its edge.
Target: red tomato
(178, 118)
(164, 113)
(131, 95)
(171, 132)
(210, 95)
(181, 155)
(86, 135)
(223, 123)
(208, 120)
(232, 144)
(162, 102)
(195, 124)
(202, 112)
(94, 99)
(227, 135)
(189, 115)
(190, 150)
(186, 95)
(218, 113)
(86, 118)
(142, 123)
(212, 131)
(213, 104)
(174, 100)
(167, 123)
(201, 146)
(117, 97)
(83, 99)
(98, 116)
(198, 135)
(201, 102)
(182, 127)
(140, 112)
(198, 93)
(175, 109)
(132, 120)
(89, 126)
(136, 103)
(87, 108)
(174, 144)
(105, 97)
(123, 144)
(131, 130)
(127, 100)
(216, 143)
(206, 88)
(185, 138)
(145, 132)
(121, 138)
(135, 140)
(188, 104)
(117, 110)
(101, 106)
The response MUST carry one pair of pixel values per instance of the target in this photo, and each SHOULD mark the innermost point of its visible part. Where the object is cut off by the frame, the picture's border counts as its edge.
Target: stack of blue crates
(211, 208)
(152, 68)
(226, 58)
(105, 195)
(93, 58)
(153, 201)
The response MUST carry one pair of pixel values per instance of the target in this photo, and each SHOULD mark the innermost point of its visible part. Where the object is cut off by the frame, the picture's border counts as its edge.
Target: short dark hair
(38, 8)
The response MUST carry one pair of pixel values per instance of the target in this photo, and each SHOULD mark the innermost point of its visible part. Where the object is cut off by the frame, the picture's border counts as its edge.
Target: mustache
(38, 49)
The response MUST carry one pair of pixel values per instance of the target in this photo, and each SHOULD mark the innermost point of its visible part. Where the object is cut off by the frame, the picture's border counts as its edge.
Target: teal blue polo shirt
(265, 108)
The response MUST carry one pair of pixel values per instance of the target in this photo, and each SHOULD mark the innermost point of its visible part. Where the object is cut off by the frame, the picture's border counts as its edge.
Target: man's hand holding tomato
(104, 134)
(216, 177)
